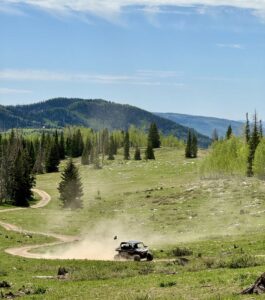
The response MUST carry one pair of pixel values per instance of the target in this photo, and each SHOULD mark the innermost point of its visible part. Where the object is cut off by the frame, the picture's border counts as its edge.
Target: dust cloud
(100, 242)
(220, 208)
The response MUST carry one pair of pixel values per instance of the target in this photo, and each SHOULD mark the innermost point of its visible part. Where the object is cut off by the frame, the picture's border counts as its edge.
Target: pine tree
(11, 151)
(23, 180)
(253, 144)
(2, 170)
(70, 188)
(137, 154)
(53, 159)
(126, 146)
(153, 136)
(149, 153)
(260, 129)
(31, 153)
(111, 148)
(229, 132)
(247, 129)
(43, 142)
(188, 149)
(77, 144)
(62, 146)
(191, 149)
(16, 178)
(194, 146)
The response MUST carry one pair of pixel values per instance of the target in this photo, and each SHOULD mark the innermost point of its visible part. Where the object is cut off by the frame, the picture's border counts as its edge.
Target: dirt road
(25, 251)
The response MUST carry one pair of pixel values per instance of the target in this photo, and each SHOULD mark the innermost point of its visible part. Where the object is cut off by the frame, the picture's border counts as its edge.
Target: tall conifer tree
(260, 129)
(126, 146)
(247, 129)
(149, 153)
(229, 132)
(253, 144)
(53, 158)
(188, 150)
(70, 188)
(23, 180)
(111, 148)
(194, 146)
(62, 146)
(137, 154)
(153, 136)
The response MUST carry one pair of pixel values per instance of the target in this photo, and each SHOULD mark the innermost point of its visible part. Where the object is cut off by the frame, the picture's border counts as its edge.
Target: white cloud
(141, 77)
(232, 46)
(7, 91)
(158, 73)
(110, 8)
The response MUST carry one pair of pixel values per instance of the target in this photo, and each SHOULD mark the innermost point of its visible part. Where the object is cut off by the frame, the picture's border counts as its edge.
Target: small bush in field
(182, 252)
(243, 261)
(40, 291)
(167, 284)
(239, 262)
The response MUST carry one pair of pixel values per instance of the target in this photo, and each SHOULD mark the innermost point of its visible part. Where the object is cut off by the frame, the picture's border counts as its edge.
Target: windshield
(140, 246)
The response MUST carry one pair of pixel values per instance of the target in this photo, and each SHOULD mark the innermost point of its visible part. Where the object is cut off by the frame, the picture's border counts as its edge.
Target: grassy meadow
(218, 224)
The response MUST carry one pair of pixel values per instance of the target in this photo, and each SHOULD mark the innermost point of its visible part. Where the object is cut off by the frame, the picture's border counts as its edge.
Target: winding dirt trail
(25, 251)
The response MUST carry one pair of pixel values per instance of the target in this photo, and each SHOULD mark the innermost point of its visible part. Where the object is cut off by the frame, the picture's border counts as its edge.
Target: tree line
(22, 157)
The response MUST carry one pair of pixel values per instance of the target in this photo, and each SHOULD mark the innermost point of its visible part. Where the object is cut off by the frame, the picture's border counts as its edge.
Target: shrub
(243, 261)
(239, 262)
(228, 157)
(167, 284)
(182, 252)
(40, 291)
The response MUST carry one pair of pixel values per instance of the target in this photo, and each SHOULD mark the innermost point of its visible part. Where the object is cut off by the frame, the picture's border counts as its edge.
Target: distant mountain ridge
(205, 125)
(94, 113)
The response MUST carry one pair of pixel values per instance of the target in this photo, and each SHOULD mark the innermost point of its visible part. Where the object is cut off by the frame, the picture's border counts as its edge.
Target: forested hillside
(97, 114)
(205, 125)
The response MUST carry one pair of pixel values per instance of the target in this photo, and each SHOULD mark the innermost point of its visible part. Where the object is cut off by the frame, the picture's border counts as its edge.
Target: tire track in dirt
(25, 250)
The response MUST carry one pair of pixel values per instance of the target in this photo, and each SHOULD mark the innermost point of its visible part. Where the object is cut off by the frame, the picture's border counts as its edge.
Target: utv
(133, 250)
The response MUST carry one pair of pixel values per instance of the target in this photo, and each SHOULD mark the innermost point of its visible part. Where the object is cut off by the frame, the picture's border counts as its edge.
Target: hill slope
(204, 125)
(97, 114)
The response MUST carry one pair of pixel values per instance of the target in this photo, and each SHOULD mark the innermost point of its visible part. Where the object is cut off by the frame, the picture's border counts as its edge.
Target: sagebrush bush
(182, 252)
(238, 262)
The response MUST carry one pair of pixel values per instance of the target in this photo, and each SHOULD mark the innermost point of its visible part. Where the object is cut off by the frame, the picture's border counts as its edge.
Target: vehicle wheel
(149, 257)
(136, 258)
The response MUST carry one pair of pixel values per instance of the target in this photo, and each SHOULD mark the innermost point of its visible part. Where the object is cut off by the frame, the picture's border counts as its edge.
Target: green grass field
(166, 204)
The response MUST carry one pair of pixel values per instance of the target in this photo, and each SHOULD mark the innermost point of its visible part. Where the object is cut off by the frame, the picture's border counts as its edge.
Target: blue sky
(202, 57)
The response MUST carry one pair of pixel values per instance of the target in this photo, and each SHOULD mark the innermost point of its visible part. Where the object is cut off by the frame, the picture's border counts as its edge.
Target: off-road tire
(136, 258)
(149, 257)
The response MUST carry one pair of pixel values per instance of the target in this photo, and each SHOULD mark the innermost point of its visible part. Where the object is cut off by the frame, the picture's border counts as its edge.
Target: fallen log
(257, 288)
